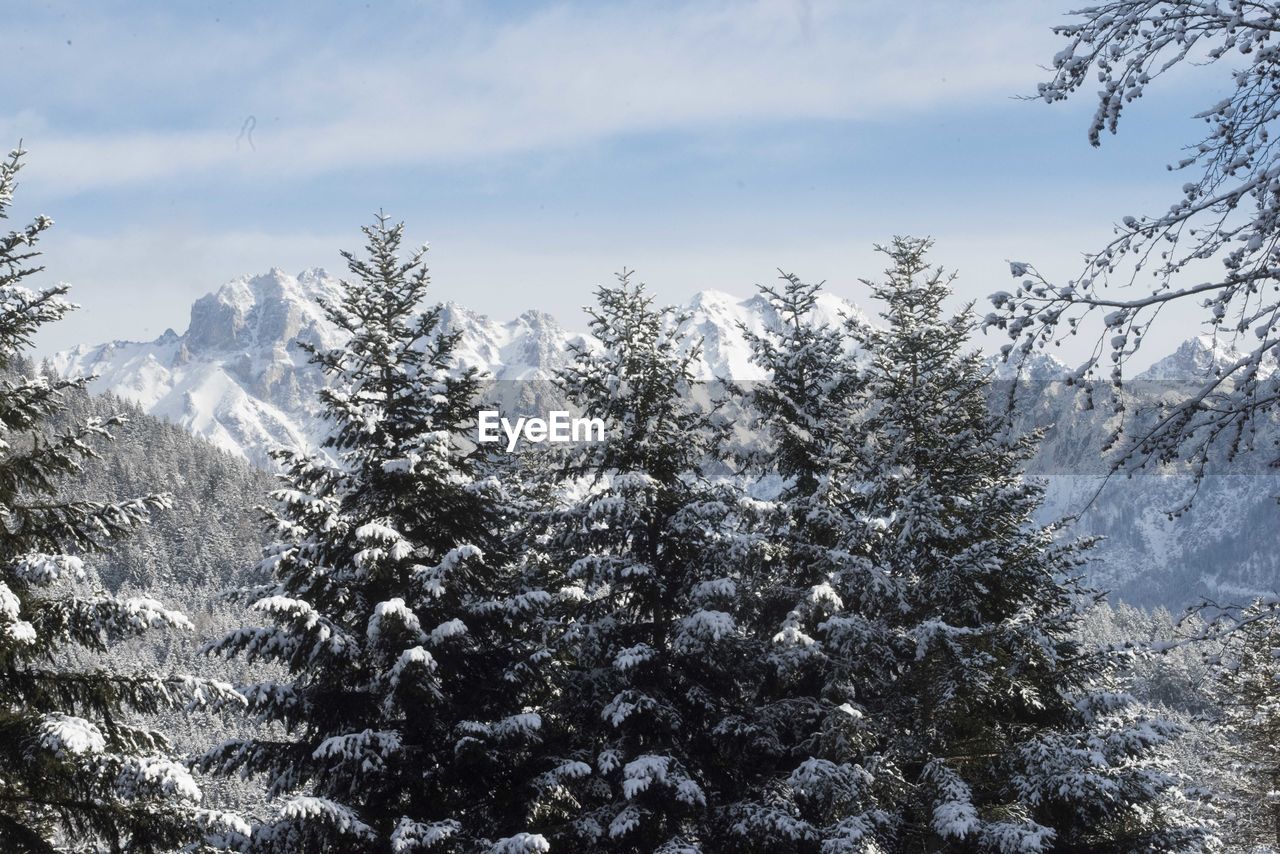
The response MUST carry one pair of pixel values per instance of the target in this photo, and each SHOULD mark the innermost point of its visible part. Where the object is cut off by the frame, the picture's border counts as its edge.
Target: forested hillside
(206, 542)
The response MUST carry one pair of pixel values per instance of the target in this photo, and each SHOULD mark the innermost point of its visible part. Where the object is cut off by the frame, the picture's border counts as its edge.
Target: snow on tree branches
(74, 764)
(1228, 213)
(923, 633)
(398, 606)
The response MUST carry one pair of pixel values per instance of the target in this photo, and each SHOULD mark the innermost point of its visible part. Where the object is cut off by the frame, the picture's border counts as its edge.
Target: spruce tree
(804, 705)
(798, 417)
(943, 630)
(655, 659)
(78, 771)
(1005, 732)
(397, 609)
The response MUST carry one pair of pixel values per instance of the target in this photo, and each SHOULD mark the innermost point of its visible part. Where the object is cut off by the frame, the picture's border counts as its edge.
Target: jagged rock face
(538, 342)
(239, 378)
(258, 312)
(214, 324)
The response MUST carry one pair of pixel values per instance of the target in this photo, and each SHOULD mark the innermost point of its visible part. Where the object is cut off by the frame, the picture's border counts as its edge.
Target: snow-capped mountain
(1194, 358)
(239, 377)
(716, 319)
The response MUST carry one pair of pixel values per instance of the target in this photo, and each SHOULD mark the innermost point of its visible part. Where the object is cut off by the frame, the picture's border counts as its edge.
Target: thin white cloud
(565, 76)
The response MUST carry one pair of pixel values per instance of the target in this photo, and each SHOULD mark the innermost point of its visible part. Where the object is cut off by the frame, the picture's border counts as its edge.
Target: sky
(541, 147)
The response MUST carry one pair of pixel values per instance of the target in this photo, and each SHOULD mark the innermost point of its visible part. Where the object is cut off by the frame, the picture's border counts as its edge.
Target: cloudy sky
(541, 147)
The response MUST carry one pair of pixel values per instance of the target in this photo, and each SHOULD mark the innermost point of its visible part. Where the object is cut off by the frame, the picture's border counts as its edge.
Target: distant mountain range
(238, 378)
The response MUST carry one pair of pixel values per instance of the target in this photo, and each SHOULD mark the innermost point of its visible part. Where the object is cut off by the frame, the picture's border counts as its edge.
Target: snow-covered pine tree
(929, 649)
(395, 607)
(808, 732)
(809, 379)
(999, 731)
(76, 772)
(655, 659)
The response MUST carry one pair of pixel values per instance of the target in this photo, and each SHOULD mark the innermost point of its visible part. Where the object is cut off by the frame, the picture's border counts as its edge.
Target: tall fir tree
(1006, 733)
(943, 630)
(78, 772)
(809, 379)
(398, 611)
(655, 658)
(805, 702)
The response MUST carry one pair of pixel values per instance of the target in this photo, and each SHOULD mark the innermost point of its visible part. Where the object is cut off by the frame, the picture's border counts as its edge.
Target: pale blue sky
(541, 147)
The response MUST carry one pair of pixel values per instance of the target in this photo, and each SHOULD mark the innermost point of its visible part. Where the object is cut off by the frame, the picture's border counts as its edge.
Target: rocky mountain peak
(258, 312)
(1194, 359)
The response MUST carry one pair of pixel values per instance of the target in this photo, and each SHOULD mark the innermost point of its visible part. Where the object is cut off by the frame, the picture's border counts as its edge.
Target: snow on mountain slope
(717, 319)
(1194, 359)
(527, 348)
(237, 376)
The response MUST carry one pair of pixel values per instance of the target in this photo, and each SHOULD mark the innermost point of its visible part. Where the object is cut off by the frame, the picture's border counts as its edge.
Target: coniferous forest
(822, 612)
